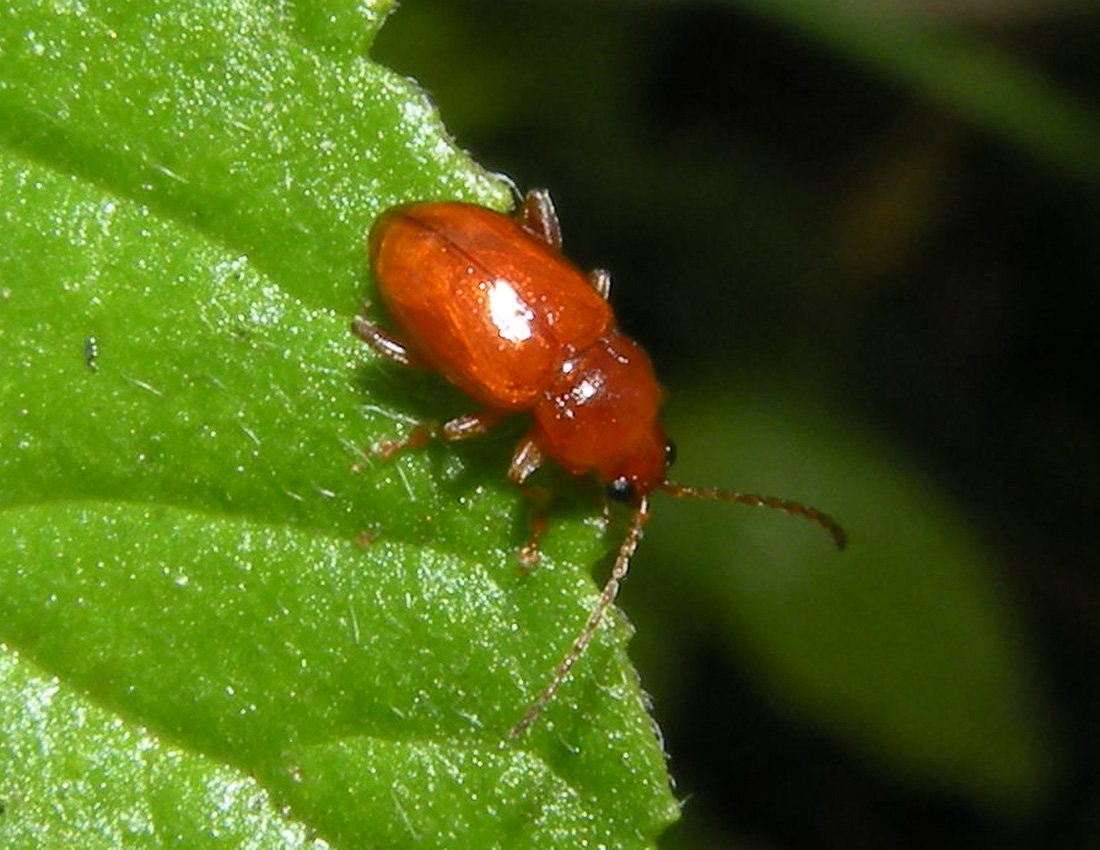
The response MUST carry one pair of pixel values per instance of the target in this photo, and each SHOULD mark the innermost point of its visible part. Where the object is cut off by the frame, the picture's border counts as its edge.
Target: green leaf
(906, 644)
(80, 765)
(194, 541)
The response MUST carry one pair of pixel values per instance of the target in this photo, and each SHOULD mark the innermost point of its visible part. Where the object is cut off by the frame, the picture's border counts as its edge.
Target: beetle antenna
(681, 491)
(607, 597)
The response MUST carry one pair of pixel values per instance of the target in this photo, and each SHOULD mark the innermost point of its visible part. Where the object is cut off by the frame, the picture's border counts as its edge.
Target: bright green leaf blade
(305, 660)
(66, 763)
(905, 643)
(982, 83)
(179, 513)
(224, 120)
(478, 795)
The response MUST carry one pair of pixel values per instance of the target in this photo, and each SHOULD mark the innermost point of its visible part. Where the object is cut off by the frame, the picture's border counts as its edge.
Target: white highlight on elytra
(510, 315)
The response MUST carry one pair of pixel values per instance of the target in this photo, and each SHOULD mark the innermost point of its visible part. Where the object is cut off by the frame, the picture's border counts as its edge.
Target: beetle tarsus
(601, 282)
(417, 438)
(470, 425)
(537, 216)
(384, 342)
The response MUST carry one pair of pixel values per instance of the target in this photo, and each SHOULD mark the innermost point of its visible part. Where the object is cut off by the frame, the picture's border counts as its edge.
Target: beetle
(489, 301)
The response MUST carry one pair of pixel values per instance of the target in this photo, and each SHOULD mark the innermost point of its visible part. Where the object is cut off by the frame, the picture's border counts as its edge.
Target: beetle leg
(601, 282)
(464, 427)
(538, 519)
(537, 216)
(384, 342)
(417, 437)
(528, 458)
(470, 425)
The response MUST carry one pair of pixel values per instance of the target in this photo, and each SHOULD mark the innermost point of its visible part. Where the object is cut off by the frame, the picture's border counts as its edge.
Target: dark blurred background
(902, 215)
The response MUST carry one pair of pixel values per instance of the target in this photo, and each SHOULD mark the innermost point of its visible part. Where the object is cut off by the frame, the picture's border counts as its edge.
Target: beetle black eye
(670, 453)
(620, 490)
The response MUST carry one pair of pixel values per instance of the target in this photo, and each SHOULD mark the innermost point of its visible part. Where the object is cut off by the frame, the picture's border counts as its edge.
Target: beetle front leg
(384, 342)
(537, 216)
(601, 282)
(528, 458)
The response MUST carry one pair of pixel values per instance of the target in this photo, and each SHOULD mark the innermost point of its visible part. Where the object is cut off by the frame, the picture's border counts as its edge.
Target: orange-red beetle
(489, 301)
